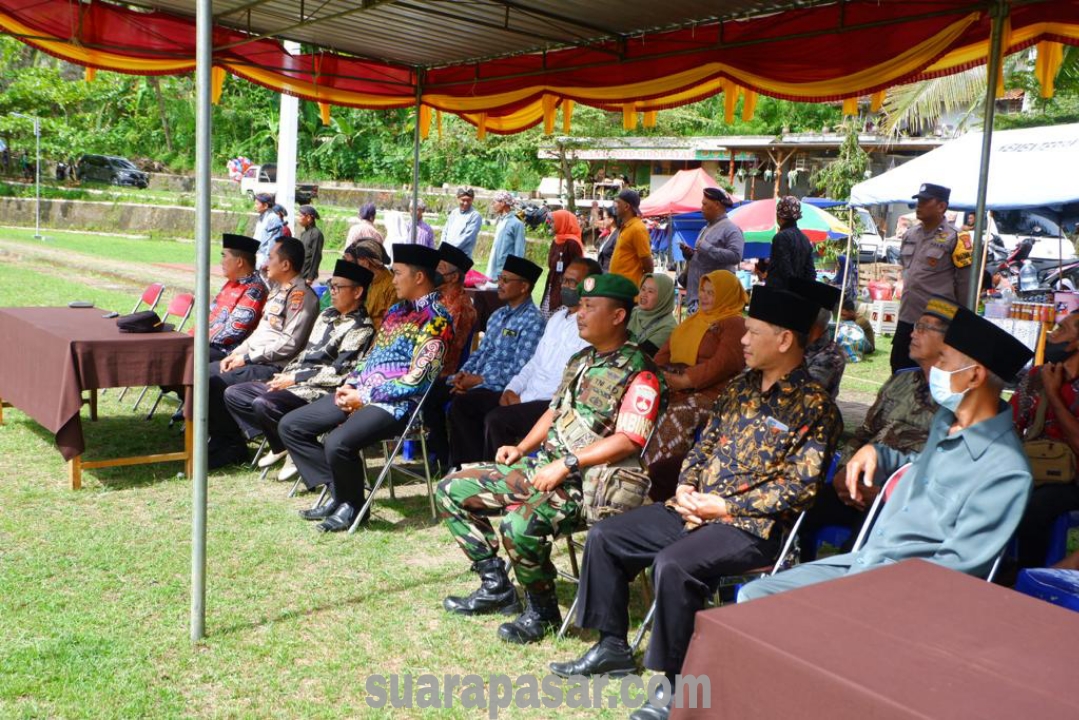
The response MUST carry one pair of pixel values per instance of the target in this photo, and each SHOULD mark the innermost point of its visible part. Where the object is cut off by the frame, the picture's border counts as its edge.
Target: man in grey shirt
(719, 244)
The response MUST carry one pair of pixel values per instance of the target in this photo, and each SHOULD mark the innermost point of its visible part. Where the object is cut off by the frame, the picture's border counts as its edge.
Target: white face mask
(940, 387)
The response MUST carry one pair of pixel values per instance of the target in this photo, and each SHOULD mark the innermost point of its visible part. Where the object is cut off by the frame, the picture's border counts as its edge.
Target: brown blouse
(719, 358)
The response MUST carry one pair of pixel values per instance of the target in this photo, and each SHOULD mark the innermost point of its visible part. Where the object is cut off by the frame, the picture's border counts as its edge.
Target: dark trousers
(336, 460)
(1047, 503)
(901, 347)
(687, 568)
(828, 510)
(258, 410)
(465, 418)
(217, 354)
(224, 432)
(508, 425)
(434, 419)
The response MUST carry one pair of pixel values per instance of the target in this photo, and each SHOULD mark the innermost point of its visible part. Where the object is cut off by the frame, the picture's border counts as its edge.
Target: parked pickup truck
(263, 179)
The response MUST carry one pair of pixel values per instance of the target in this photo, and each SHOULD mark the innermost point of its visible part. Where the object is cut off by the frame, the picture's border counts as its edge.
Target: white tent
(1032, 167)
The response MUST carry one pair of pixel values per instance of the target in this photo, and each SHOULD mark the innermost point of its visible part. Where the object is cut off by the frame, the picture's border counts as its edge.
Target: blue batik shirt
(509, 342)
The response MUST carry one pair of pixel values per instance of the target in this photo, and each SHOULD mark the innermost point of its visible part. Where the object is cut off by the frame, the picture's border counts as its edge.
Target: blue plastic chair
(1058, 538)
(1059, 587)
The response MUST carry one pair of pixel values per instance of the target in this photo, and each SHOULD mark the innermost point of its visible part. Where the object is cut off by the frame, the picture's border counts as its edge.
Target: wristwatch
(572, 464)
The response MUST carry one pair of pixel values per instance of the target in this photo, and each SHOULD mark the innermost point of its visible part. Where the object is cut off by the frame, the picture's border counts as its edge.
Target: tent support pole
(416, 162)
(999, 11)
(203, 119)
(846, 272)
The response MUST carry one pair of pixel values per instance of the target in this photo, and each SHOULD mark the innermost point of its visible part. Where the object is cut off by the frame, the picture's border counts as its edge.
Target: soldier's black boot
(541, 616)
(495, 594)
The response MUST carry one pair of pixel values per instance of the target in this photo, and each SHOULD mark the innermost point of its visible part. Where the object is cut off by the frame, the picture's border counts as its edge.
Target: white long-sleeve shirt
(540, 376)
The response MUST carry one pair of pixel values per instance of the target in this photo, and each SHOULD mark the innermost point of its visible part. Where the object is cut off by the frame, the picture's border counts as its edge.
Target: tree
(838, 177)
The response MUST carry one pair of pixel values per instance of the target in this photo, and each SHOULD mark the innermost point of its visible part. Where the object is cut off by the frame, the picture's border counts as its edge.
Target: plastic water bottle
(1028, 277)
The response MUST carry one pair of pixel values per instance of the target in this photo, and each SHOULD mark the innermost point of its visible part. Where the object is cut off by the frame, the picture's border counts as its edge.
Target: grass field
(94, 600)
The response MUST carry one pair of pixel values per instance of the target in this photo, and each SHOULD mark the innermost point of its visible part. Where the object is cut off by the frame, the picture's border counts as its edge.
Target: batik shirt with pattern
(407, 356)
(463, 313)
(764, 453)
(236, 311)
(509, 342)
(337, 342)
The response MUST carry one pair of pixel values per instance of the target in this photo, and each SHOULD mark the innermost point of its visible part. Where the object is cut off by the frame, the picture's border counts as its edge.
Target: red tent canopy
(681, 194)
(395, 53)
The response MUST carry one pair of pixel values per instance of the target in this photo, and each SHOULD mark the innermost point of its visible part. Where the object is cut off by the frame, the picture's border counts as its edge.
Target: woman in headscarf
(566, 248)
(653, 319)
(792, 253)
(704, 352)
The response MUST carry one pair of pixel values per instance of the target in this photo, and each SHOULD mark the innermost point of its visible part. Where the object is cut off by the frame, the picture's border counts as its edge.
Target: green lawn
(141, 248)
(94, 601)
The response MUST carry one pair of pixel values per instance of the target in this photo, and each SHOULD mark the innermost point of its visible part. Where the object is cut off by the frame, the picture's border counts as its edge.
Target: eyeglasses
(334, 287)
(503, 280)
(926, 327)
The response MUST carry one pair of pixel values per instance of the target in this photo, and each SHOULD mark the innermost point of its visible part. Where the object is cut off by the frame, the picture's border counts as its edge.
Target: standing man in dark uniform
(936, 260)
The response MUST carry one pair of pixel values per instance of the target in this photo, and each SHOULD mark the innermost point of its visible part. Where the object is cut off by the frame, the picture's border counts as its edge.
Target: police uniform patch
(963, 256)
(295, 300)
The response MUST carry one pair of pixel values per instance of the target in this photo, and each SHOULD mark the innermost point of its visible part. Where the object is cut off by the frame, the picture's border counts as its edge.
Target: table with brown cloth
(49, 356)
(911, 640)
(485, 302)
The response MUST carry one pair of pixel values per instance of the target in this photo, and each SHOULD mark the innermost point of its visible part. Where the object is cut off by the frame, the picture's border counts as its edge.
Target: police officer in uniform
(937, 260)
(286, 323)
(598, 424)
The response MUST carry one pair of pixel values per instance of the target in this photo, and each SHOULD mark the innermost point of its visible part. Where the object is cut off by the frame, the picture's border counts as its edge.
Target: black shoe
(340, 520)
(657, 707)
(651, 712)
(495, 594)
(603, 658)
(540, 617)
(225, 456)
(320, 513)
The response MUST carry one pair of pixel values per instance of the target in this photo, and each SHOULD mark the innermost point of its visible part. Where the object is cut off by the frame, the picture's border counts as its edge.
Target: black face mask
(571, 297)
(1058, 352)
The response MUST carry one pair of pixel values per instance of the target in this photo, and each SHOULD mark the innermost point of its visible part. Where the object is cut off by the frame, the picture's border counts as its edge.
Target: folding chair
(180, 307)
(883, 496)
(414, 424)
(781, 563)
(150, 297)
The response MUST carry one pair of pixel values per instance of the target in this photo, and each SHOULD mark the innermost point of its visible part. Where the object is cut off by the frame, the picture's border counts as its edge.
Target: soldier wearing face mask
(1046, 407)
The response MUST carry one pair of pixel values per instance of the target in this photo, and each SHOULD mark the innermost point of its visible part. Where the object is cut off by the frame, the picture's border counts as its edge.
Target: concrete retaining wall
(169, 221)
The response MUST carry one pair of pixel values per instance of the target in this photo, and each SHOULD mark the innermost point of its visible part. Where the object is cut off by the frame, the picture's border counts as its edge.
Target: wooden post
(74, 468)
(189, 447)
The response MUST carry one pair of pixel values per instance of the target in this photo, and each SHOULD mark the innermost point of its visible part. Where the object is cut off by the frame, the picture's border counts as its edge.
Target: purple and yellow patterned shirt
(407, 356)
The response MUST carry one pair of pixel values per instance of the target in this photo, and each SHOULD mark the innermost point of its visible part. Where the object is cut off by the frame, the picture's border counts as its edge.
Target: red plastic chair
(150, 297)
(179, 307)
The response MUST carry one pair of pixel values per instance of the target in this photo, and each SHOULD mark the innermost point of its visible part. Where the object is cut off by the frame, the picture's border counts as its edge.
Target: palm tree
(919, 106)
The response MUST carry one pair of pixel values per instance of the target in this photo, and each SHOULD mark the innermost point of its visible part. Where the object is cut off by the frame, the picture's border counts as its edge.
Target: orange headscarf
(730, 301)
(566, 227)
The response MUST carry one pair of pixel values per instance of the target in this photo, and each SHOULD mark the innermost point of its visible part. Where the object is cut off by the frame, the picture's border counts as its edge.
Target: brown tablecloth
(50, 356)
(485, 302)
(911, 640)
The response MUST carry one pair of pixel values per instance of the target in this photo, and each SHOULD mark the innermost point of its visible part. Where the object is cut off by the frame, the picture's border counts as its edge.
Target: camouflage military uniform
(590, 404)
(826, 362)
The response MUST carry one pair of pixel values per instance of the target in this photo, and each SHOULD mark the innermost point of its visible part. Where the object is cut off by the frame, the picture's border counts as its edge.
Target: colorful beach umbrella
(758, 223)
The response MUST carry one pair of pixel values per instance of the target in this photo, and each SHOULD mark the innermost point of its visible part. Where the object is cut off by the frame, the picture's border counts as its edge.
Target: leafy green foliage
(847, 170)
